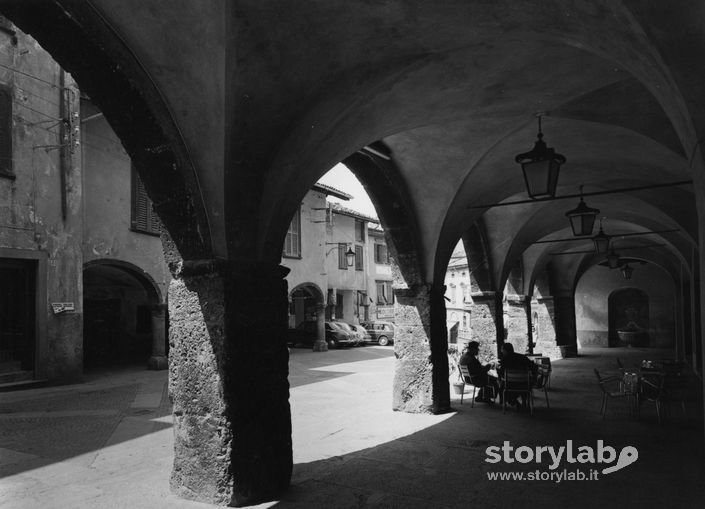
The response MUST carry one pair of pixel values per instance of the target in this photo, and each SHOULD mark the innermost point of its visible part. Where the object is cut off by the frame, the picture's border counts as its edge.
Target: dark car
(304, 334)
(337, 335)
(357, 332)
(381, 333)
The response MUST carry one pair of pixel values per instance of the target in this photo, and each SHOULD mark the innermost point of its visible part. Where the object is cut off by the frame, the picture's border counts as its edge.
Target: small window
(359, 230)
(292, 244)
(381, 254)
(144, 219)
(358, 258)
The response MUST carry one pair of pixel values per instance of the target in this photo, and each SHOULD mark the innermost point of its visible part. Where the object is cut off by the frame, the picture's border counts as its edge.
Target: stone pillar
(421, 348)
(518, 323)
(320, 345)
(228, 382)
(566, 336)
(158, 359)
(483, 322)
(545, 327)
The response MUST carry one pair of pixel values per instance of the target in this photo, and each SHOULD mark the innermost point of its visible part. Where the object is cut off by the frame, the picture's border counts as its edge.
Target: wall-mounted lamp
(349, 254)
(582, 217)
(540, 167)
(601, 241)
(627, 271)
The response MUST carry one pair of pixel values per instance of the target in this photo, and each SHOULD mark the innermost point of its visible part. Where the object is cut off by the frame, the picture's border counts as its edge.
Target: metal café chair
(612, 387)
(519, 382)
(475, 386)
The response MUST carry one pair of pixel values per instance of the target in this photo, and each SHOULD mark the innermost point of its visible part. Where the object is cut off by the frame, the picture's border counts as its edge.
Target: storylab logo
(602, 457)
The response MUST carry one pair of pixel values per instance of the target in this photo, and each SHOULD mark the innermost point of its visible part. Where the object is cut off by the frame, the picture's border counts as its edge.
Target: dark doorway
(117, 326)
(628, 309)
(17, 297)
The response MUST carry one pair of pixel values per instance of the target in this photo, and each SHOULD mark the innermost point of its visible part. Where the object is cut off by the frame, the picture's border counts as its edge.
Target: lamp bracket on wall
(592, 251)
(615, 236)
(578, 195)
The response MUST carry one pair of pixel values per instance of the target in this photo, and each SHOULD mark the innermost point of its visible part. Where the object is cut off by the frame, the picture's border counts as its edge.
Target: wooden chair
(611, 388)
(517, 382)
(469, 380)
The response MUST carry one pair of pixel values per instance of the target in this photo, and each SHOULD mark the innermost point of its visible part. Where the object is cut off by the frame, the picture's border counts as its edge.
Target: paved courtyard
(107, 443)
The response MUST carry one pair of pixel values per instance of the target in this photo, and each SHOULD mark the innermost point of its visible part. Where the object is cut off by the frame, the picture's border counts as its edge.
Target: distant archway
(118, 299)
(304, 300)
(628, 308)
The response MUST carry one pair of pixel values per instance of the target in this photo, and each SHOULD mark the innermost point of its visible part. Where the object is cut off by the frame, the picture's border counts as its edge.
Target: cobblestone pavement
(107, 443)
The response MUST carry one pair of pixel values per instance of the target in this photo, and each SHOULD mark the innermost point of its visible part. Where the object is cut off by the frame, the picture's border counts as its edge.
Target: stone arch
(118, 304)
(479, 261)
(387, 190)
(81, 41)
(304, 300)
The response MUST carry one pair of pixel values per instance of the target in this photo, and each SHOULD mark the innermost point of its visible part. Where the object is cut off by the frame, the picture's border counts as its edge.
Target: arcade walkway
(107, 443)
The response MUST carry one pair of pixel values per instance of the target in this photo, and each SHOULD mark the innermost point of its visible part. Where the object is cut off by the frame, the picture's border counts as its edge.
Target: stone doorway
(628, 309)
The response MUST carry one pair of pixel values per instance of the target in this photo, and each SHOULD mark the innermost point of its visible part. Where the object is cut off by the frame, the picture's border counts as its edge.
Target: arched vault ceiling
(268, 95)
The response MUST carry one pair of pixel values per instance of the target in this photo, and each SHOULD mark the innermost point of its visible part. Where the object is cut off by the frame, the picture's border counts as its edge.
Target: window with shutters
(6, 133)
(144, 219)
(381, 254)
(292, 243)
(358, 258)
(359, 230)
(342, 257)
(384, 293)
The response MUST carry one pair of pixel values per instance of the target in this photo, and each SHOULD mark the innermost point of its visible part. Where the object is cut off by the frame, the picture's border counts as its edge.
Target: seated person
(479, 372)
(509, 359)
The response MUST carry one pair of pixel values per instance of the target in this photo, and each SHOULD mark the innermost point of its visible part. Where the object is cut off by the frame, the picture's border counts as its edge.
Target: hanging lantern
(582, 217)
(601, 241)
(540, 167)
(627, 271)
(350, 256)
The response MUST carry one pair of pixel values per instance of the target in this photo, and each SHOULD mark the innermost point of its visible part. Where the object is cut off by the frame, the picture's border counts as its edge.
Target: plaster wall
(41, 208)
(342, 230)
(310, 268)
(591, 308)
(376, 272)
(108, 203)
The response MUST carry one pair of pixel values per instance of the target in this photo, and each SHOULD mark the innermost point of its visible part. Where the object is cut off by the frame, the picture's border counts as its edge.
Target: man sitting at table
(509, 359)
(479, 372)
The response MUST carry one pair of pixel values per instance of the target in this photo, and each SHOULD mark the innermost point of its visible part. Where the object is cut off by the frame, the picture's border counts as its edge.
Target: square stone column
(544, 325)
(517, 323)
(421, 348)
(228, 383)
(485, 311)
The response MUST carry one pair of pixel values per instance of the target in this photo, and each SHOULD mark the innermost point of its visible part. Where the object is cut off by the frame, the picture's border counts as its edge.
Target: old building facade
(82, 284)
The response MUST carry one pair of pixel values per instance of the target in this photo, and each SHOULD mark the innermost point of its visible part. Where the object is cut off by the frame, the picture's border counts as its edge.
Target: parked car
(337, 335)
(304, 334)
(357, 332)
(381, 333)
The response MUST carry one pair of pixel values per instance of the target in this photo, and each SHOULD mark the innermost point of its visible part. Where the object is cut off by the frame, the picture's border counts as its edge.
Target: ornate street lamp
(627, 271)
(350, 256)
(601, 241)
(540, 167)
(582, 217)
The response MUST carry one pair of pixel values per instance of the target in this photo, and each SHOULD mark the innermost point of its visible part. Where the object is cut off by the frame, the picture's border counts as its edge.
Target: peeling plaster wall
(108, 199)
(310, 268)
(591, 309)
(32, 224)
